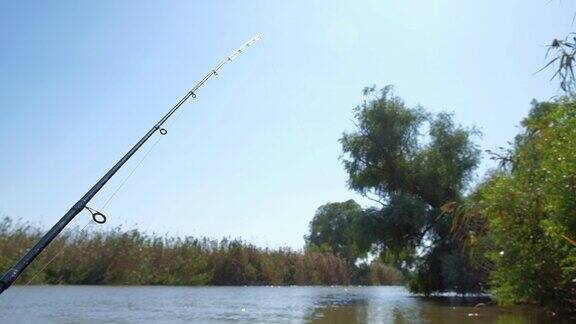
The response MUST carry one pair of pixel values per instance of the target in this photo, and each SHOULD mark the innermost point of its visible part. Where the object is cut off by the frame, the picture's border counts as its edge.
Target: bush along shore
(118, 257)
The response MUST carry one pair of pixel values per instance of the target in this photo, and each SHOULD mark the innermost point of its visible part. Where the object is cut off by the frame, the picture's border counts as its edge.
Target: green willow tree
(340, 229)
(334, 229)
(411, 176)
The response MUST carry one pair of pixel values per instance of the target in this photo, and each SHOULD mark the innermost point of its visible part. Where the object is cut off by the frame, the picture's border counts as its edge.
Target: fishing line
(94, 212)
(130, 174)
(163, 132)
(13, 310)
(60, 251)
(14, 272)
(54, 257)
(97, 217)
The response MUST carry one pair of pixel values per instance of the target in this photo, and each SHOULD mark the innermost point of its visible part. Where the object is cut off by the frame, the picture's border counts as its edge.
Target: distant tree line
(118, 257)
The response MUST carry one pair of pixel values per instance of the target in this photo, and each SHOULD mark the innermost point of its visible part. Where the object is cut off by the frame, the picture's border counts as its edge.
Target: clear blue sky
(257, 153)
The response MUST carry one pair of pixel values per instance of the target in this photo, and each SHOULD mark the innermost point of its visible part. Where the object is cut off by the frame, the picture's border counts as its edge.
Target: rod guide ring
(97, 216)
(163, 131)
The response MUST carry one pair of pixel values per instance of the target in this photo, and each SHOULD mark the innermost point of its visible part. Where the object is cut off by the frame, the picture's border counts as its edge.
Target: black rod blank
(12, 274)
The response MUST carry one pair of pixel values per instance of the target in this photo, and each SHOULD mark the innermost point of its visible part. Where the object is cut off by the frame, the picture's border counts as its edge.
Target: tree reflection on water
(347, 308)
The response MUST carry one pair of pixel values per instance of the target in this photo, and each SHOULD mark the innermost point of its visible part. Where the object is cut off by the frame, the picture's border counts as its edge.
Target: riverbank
(117, 257)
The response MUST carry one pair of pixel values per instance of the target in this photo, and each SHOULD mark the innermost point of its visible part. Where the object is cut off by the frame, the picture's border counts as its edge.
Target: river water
(100, 304)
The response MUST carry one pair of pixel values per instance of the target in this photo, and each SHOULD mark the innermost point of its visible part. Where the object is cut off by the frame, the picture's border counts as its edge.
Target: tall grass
(117, 257)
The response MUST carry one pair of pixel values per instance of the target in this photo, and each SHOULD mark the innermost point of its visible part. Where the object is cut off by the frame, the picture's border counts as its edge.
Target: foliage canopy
(412, 163)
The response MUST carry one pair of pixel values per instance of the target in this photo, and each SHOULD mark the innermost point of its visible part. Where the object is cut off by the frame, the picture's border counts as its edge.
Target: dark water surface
(94, 304)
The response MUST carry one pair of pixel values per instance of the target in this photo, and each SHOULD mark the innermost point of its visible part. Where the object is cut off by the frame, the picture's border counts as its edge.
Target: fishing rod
(11, 275)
